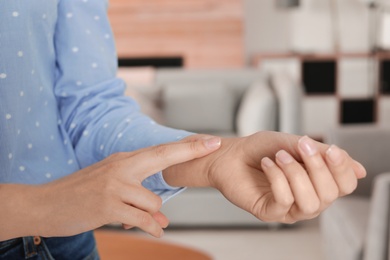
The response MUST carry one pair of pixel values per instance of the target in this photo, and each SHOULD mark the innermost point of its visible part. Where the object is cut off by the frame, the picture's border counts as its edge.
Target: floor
(299, 242)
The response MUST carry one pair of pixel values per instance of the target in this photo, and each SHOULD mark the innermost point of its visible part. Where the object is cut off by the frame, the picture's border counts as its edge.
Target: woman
(76, 154)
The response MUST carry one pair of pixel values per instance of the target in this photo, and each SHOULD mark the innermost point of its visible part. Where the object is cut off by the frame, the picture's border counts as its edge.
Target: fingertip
(284, 157)
(267, 162)
(127, 227)
(307, 146)
(158, 234)
(161, 219)
(334, 154)
(212, 142)
(359, 170)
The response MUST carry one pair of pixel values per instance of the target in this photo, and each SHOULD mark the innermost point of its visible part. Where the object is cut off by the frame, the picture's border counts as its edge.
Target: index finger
(154, 159)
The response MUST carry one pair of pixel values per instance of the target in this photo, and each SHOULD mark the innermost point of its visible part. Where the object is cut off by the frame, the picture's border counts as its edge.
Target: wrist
(188, 174)
(193, 173)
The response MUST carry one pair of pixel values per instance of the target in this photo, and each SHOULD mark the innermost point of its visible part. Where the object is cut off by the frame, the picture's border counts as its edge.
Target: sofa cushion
(343, 227)
(199, 107)
(257, 110)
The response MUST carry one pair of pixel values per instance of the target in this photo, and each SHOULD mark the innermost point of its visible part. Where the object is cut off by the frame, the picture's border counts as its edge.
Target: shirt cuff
(164, 190)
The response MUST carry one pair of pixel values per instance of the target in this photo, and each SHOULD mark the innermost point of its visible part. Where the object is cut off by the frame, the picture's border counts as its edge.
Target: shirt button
(37, 240)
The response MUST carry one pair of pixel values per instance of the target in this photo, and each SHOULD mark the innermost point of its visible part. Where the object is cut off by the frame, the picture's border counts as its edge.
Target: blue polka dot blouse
(61, 106)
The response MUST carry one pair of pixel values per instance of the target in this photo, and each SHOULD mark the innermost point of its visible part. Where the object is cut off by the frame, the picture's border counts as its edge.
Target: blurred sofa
(356, 227)
(226, 102)
(231, 102)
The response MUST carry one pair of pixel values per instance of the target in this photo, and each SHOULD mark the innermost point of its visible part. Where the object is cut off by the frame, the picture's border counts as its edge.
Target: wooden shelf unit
(340, 89)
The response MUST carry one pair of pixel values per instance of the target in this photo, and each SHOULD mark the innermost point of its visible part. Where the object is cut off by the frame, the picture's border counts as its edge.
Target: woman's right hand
(108, 191)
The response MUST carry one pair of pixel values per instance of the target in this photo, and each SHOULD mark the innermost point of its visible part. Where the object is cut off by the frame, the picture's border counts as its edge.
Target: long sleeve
(97, 116)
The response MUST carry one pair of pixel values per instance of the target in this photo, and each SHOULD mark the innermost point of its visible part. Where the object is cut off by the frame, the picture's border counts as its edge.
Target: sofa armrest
(257, 110)
(289, 95)
(377, 237)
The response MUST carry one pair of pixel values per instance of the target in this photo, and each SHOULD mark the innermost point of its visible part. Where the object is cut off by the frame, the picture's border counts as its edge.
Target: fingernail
(284, 157)
(267, 162)
(162, 233)
(212, 142)
(307, 146)
(362, 170)
(334, 154)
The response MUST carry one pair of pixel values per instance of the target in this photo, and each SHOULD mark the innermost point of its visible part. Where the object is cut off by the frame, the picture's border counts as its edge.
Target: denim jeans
(81, 247)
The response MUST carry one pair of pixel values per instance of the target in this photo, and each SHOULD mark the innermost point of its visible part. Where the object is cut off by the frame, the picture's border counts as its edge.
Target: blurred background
(234, 67)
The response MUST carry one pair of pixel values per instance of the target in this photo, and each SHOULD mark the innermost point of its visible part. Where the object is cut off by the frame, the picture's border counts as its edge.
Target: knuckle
(160, 150)
(286, 201)
(112, 166)
(314, 215)
(348, 188)
(143, 219)
(320, 165)
(194, 146)
(311, 208)
(104, 191)
(106, 184)
(330, 196)
(268, 219)
(116, 156)
(159, 202)
(156, 204)
(276, 177)
(328, 199)
(290, 222)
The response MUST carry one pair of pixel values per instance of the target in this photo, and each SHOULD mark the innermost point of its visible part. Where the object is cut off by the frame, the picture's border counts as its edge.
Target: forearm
(20, 211)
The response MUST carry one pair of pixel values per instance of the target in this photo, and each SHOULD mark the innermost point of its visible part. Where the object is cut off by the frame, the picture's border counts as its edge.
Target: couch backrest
(204, 100)
(238, 79)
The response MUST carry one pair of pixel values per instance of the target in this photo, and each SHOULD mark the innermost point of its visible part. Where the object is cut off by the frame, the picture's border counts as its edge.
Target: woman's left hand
(275, 176)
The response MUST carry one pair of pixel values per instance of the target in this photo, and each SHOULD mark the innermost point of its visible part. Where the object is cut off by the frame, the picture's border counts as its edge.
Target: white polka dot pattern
(61, 105)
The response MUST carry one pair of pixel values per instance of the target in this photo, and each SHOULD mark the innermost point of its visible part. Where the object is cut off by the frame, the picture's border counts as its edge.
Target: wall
(207, 33)
(224, 33)
(310, 29)
(267, 28)
(307, 29)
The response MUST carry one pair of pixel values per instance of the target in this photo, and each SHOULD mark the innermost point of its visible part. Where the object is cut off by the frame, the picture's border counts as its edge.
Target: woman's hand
(106, 192)
(275, 176)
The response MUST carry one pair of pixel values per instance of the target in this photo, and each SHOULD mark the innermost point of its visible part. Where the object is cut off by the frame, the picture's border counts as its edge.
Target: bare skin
(106, 192)
(274, 176)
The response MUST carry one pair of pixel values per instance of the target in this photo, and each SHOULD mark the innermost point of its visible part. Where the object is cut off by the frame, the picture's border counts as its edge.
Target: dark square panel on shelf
(156, 62)
(357, 111)
(319, 76)
(385, 76)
